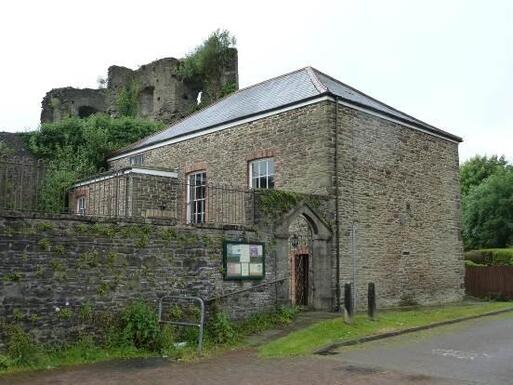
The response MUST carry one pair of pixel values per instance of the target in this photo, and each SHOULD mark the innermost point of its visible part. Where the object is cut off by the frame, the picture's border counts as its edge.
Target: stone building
(161, 93)
(391, 180)
(126, 193)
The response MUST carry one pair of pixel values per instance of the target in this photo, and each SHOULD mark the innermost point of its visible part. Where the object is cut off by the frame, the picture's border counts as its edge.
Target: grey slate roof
(285, 90)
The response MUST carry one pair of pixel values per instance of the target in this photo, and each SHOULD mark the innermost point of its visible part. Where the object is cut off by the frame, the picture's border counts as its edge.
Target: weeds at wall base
(134, 333)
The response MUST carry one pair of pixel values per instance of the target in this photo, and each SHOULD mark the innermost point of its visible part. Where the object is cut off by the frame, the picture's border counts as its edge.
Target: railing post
(348, 304)
(371, 301)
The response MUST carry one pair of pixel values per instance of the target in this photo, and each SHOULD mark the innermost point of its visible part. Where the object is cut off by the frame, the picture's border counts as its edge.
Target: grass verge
(307, 340)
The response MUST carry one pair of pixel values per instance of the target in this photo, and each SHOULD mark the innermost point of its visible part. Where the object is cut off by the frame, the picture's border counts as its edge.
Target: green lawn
(307, 340)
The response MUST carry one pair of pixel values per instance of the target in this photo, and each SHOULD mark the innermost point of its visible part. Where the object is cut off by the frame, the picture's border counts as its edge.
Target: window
(196, 197)
(261, 173)
(81, 206)
(137, 160)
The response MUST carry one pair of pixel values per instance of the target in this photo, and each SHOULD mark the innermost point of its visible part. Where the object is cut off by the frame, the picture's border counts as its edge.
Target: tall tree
(475, 170)
(488, 212)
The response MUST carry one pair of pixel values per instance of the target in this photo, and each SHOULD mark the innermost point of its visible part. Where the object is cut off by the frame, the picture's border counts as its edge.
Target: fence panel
(489, 281)
(20, 183)
(122, 193)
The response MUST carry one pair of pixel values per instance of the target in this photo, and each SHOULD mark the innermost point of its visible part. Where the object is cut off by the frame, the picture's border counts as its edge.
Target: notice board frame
(227, 277)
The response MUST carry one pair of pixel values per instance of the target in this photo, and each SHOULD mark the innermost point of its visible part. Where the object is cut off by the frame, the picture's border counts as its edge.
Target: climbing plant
(126, 101)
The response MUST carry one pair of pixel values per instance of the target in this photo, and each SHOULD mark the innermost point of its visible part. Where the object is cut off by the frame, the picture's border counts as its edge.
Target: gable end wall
(401, 187)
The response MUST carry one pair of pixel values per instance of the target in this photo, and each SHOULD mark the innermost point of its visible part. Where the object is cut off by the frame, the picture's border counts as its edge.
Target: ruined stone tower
(162, 94)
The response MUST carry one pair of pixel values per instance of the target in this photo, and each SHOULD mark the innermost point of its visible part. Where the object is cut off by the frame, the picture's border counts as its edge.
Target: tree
(488, 212)
(475, 170)
(76, 148)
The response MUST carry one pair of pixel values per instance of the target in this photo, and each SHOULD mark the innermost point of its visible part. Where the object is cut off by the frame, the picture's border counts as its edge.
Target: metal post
(348, 304)
(201, 324)
(371, 297)
(353, 253)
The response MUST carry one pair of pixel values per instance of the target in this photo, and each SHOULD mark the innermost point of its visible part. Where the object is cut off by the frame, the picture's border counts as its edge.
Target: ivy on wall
(126, 101)
(279, 202)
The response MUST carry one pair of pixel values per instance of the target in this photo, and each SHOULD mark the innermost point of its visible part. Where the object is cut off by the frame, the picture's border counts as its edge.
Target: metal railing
(176, 299)
(20, 183)
(218, 205)
(120, 194)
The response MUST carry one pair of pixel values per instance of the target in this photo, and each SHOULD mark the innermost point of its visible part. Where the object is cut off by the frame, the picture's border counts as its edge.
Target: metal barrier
(199, 325)
(20, 183)
(121, 194)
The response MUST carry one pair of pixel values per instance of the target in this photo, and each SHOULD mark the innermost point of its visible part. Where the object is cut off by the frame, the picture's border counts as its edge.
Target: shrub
(490, 257)
(207, 63)
(140, 327)
(220, 330)
(473, 264)
(76, 148)
(20, 348)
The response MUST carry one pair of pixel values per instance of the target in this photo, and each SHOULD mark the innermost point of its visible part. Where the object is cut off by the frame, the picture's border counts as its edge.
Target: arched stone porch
(321, 295)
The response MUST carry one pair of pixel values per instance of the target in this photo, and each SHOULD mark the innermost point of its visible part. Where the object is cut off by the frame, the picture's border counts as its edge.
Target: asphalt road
(479, 351)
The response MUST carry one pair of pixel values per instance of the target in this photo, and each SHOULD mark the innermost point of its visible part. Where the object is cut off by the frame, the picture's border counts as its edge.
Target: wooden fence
(489, 281)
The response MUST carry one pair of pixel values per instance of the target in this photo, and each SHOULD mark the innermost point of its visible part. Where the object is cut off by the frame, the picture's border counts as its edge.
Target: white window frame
(267, 175)
(81, 205)
(199, 216)
(136, 160)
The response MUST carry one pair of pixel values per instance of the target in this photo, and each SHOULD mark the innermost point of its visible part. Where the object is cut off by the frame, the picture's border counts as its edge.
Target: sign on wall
(243, 260)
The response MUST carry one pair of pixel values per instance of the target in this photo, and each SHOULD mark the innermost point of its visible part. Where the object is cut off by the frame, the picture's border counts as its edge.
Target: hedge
(490, 257)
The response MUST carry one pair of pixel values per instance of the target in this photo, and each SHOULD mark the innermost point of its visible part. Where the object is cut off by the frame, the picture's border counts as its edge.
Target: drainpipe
(337, 220)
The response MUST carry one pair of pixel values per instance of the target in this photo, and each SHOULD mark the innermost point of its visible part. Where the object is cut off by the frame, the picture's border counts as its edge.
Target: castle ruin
(162, 94)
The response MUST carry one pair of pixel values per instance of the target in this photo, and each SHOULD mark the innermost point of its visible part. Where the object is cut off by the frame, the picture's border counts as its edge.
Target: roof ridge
(374, 99)
(167, 127)
(320, 86)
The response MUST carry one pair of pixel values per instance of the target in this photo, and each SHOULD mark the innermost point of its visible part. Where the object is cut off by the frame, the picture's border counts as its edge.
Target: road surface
(473, 352)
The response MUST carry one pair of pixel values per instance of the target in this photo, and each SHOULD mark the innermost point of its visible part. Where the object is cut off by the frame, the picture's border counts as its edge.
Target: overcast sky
(449, 63)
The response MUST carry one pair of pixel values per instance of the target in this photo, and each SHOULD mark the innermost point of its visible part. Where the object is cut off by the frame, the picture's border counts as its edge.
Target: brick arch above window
(195, 166)
(263, 153)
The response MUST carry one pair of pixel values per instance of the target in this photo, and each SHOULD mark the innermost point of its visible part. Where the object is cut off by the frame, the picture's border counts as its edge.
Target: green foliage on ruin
(206, 64)
(5, 150)
(126, 101)
(487, 201)
(76, 148)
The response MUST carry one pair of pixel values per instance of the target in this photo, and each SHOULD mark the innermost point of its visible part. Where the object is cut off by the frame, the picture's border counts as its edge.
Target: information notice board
(243, 260)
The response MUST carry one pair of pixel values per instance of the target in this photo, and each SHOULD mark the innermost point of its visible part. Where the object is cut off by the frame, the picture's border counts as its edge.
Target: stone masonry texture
(398, 186)
(53, 266)
(162, 94)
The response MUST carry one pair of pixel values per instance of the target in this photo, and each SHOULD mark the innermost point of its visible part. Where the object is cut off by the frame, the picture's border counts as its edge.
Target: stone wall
(51, 267)
(299, 141)
(127, 194)
(162, 94)
(400, 187)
